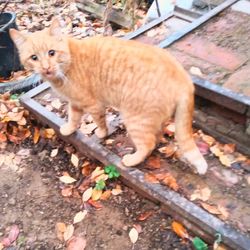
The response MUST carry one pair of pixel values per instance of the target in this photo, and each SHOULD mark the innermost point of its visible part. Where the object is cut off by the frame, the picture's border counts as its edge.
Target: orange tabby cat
(145, 83)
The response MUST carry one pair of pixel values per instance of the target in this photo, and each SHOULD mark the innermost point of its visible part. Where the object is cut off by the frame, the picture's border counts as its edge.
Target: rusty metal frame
(195, 218)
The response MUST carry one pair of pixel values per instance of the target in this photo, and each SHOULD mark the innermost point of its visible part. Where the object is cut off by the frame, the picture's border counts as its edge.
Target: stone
(12, 201)
(242, 6)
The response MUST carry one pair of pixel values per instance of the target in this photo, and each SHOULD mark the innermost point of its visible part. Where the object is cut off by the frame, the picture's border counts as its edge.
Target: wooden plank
(98, 10)
(198, 22)
(189, 212)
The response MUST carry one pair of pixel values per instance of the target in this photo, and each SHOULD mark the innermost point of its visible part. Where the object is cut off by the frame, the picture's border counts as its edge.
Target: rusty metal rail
(205, 224)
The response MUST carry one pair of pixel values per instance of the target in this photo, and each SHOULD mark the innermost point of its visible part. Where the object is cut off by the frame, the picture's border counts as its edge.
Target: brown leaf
(36, 135)
(210, 208)
(154, 162)
(216, 150)
(74, 160)
(145, 215)
(224, 159)
(229, 148)
(49, 133)
(76, 243)
(150, 178)
(170, 181)
(87, 194)
(3, 137)
(208, 139)
(179, 230)
(105, 195)
(67, 191)
(224, 212)
(201, 194)
(60, 229)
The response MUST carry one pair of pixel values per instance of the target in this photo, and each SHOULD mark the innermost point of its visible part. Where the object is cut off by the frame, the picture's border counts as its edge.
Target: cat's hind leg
(75, 115)
(143, 135)
(98, 114)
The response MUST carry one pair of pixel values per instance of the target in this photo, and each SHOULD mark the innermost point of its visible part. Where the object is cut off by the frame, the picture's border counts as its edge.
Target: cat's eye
(34, 57)
(51, 52)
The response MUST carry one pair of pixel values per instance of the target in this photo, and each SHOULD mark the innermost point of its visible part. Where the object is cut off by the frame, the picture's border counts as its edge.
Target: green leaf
(199, 244)
(14, 97)
(100, 185)
(112, 171)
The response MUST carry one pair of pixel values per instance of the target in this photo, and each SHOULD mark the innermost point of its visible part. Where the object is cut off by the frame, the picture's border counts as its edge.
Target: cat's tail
(184, 135)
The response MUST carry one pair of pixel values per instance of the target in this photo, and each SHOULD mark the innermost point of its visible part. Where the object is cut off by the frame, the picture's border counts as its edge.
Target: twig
(4, 7)
(106, 16)
(158, 8)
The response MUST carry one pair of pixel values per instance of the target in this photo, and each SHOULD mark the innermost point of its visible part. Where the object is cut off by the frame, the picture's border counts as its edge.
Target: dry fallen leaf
(150, 178)
(68, 232)
(154, 162)
(170, 181)
(168, 150)
(74, 160)
(179, 230)
(97, 172)
(87, 194)
(216, 150)
(133, 235)
(97, 205)
(208, 139)
(201, 194)
(54, 152)
(60, 229)
(80, 216)
(96, 194)
(210, 208)
(105, 195)
(116, 191)
(67, 179)
(56, 103)
(76, 243)
(87, 129)
(67, 191)
(36, 135)
(49, 133)
(224, 159)
(103, 177)
(223, 211)
(145, 215)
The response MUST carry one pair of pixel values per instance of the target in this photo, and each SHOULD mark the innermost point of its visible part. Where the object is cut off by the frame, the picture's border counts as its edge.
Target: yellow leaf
(96, 194)
(97, 172)
(36, 135)
(225, 160)
(49, 133)
(179, 230)
(80, 216)
(87, 194)
(133, 235)
(208, 139)
(68, 232)
(67, 179)
(103, 177)
(74, 160)
(216, 151)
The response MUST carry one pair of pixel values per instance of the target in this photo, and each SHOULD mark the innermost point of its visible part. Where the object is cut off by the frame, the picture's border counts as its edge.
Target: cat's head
(45, 52)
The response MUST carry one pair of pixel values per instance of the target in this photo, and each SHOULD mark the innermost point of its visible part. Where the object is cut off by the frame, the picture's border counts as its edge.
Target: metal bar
(179, 34)
(147, 27)
(186, 12)
(184, 208)
(222, 96)
(38, 90)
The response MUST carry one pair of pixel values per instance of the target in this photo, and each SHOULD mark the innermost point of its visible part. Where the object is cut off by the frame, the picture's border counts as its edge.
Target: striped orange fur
(145, 83)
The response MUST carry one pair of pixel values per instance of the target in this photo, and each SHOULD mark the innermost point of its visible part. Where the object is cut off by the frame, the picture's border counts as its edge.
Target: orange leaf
(170, 181)
(3, 137)
(97, 205)
(145, 215)
(150, 178)
(105, 195)
(179, 230)
(168, 150)
(210, 208)
(154, 162)
(229, 148)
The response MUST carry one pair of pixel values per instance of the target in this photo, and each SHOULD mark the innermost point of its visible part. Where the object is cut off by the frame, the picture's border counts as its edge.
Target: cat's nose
(47, 71)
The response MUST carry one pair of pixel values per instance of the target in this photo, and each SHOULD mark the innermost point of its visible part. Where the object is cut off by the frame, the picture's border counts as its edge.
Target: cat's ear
(17, 37)
(55, 27)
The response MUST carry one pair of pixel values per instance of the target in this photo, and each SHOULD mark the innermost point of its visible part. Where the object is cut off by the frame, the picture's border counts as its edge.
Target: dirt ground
(31, 199)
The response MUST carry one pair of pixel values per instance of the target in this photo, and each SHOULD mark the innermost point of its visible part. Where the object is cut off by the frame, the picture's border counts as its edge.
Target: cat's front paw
(101, 133)
(129, 160)
(67, 129)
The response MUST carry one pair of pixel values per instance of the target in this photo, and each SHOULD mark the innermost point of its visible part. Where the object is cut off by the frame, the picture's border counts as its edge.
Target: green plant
(111, 171)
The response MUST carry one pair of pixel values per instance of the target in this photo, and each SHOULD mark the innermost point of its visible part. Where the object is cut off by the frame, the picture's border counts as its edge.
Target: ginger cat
(145, 83)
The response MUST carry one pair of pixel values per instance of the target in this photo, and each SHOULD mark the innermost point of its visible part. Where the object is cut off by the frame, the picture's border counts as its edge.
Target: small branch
(158, 8)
